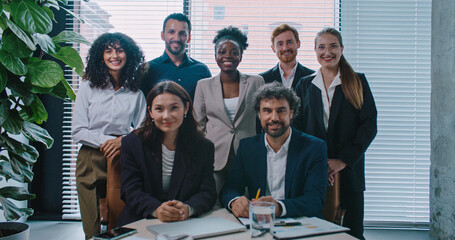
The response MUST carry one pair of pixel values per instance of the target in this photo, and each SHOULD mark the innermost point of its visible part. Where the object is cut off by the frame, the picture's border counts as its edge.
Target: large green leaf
(12, 122)
(2, 19)
(34, 89)
(12, 63)
(12, 212)
(70, 37)
(6, 171)
(36, 133)
(20, 164)
(49, 11)
(45, 42)
(43, 73)
(4, 111)
(26, 114)
(14, 45)
(29, 153)
(71, 57)
(19, 89)
(59, 91)
(31, 17)
(39, 111)
(69, 91)
(3, 78)
(21, 35)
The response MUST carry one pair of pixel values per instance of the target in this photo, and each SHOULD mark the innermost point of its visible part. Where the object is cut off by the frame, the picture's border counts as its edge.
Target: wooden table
(143, 233)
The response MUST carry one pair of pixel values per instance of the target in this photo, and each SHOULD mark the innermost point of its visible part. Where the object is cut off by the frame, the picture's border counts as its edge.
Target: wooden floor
(72, 230)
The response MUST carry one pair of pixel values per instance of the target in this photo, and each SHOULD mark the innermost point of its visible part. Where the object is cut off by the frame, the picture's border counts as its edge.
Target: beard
(277, 133)
(287, 59)
(177, 51)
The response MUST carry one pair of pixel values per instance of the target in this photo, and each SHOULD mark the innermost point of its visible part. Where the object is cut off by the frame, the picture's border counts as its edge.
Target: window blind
(390, 41)
(387, 40)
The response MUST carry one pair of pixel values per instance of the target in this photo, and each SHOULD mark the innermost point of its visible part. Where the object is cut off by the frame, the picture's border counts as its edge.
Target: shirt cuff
(191, 211)
(283, 208)
(230, 202)
(153, 214)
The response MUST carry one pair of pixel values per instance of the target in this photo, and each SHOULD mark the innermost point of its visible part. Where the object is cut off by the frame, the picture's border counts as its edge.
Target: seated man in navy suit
(289, 166)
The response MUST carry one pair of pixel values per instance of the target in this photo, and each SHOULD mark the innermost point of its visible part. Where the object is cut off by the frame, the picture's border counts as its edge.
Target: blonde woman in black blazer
(223, 104)
(338, 107)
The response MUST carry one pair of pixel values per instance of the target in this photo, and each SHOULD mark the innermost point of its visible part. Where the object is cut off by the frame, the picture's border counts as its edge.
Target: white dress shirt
(103, 114)
(287, 81)
(327, 95)
(276, 170)
(167, 166)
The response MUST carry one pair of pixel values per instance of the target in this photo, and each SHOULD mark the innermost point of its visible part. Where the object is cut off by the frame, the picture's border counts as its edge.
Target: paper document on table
(278, 221)
(310, 226)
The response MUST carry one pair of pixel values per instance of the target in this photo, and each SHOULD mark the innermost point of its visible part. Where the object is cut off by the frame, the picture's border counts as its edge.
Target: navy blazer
(274, 74)
(349, 133)
(305, 179)
(192, 179)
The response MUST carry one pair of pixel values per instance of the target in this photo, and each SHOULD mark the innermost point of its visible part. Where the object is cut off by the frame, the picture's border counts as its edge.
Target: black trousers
(354, 205)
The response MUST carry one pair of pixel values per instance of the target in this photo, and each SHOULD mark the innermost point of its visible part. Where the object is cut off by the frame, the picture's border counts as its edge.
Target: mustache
(275, 122)
(176, 42)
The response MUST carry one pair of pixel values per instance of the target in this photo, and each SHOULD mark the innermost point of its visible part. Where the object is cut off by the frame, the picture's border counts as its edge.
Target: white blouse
(231, 106)
(327, 95)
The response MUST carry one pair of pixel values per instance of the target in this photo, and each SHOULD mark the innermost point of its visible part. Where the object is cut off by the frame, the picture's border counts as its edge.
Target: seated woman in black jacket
(167, 164)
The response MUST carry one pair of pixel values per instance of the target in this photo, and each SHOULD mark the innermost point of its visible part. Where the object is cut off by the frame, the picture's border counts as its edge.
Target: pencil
(257, 193)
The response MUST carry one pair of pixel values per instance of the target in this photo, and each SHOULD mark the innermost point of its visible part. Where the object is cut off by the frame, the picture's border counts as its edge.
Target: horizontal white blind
(389, 41)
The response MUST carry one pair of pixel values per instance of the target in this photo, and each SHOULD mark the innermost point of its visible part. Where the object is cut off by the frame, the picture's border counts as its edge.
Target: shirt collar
(319, 82)
(293, 69)
(285, 145)
(165, 58)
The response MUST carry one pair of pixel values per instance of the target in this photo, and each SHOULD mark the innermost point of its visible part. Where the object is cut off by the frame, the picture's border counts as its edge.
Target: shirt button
(232, 131)
(179, 79)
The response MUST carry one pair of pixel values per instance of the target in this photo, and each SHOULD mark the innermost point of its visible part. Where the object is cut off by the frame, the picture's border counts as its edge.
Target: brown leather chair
(114, 203)
(332, 211)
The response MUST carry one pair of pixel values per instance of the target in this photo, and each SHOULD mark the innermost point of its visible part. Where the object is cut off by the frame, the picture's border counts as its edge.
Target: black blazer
(349, 133)
(274, 74)
(192, 179)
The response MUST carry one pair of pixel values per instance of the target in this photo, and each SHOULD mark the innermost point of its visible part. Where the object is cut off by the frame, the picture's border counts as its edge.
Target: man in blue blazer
(285, 44)
(288, 166)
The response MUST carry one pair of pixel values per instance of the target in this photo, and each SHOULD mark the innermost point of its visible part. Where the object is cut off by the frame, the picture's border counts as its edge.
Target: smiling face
(168, 110)
(275, 115)
(285, 46)
(114, 58)
(328, 51)
(175, 36)
(228, 56)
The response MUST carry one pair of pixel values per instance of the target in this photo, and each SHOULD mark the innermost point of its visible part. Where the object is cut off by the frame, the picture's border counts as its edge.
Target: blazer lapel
(218, 100)
(178, 175)
(243, 86)
(297, 75)
(316, 107)
(153, 165)
(291, 162)
(276, 73)
(261, 168)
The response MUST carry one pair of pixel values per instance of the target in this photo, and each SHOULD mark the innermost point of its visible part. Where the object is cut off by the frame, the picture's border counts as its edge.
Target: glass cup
(262, 218)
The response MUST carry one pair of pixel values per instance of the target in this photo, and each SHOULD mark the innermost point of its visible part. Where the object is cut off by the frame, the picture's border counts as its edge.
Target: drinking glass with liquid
(262, 218)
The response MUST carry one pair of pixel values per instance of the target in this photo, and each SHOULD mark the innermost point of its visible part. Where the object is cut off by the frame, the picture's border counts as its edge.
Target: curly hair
(233, 34)
(276, 90)
(96, 70)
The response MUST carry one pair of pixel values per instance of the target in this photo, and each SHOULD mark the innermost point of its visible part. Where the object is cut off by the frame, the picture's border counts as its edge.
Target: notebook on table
(198, 227)
(310, 227)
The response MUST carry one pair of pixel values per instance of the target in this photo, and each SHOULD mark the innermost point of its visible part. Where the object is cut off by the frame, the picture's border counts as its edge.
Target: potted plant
(24, 76)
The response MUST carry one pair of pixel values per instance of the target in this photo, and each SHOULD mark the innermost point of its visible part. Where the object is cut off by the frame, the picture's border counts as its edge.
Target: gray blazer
(212, 116)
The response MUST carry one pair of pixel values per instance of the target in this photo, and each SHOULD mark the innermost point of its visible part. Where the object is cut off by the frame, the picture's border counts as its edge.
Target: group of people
(197, 141)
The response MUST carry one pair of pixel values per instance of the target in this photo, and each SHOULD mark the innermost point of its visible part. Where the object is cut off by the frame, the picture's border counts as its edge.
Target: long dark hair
(98, 73)
(350, 81)
(188, 131)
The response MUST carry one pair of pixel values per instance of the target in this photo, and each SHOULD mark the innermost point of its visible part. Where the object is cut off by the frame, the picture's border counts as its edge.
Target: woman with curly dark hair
(108, 105)
(223, 104)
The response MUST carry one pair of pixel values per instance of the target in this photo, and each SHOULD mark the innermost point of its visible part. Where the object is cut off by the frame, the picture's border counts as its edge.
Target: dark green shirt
(187, 74)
